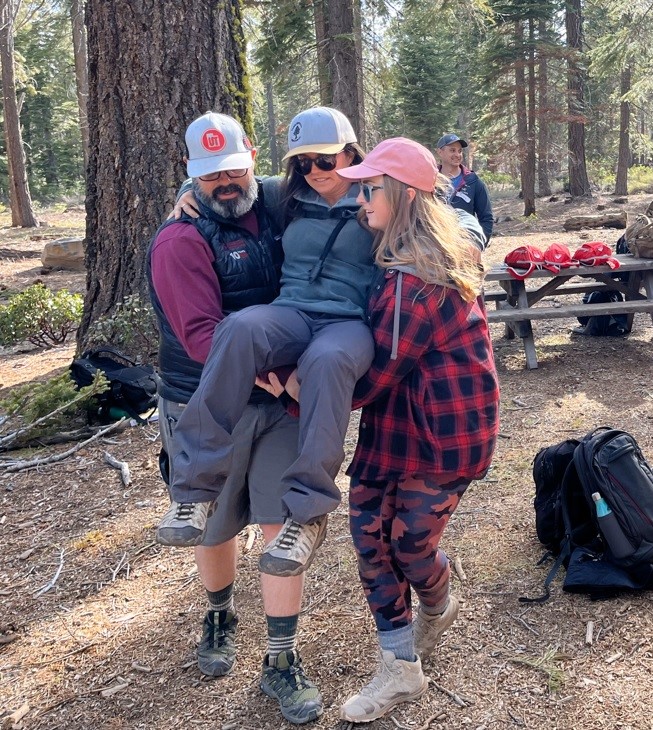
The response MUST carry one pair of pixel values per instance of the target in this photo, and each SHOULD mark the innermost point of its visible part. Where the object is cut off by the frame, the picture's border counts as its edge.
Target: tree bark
(543, 151)
(579, 185)
(81, 70)
(346, 61)
(272, 129)
(322, 45)
(154, 66)
(22, 213)
(527, 174)
(623, 162)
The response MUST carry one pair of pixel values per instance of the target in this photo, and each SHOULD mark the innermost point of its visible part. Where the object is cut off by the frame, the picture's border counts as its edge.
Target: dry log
(609, 219)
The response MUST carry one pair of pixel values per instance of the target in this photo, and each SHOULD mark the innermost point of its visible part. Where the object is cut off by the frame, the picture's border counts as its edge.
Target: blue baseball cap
(450, 139)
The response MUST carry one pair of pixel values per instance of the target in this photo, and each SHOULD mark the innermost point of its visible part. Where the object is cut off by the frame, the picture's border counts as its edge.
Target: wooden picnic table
(515, 300)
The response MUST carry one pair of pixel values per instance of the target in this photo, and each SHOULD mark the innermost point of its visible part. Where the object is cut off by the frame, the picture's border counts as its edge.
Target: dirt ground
(99, 624)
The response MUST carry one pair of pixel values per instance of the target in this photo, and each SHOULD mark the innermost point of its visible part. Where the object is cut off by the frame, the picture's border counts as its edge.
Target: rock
(554, 199)
(64, 253)
(601, 206)
(620, 201)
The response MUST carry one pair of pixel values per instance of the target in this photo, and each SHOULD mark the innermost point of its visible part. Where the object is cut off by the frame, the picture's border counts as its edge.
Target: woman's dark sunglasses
(304, 164)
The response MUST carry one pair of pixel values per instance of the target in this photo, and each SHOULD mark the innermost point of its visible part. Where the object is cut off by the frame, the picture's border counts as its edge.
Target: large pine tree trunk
(579, 185)
(20, 201)
(543, 152)
(526, 169)
(343, 25)
(154, 65)
(322, 44)
(623, 162)
(81, 69)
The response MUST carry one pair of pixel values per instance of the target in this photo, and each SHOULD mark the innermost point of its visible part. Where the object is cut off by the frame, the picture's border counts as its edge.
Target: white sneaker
(428, 630)
(293, 549)
(397, 681)
(184, 524)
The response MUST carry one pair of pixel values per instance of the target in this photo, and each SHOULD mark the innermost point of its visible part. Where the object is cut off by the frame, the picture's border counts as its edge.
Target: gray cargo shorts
(265, 445)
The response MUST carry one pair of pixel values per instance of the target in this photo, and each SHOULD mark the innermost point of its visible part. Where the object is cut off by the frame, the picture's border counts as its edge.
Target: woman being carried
(317, 321)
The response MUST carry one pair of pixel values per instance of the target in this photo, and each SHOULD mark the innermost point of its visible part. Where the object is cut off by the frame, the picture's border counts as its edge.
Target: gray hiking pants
(331, 355)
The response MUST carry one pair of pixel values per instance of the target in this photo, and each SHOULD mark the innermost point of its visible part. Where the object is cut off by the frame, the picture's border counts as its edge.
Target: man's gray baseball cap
(217, 142)
(449, 139)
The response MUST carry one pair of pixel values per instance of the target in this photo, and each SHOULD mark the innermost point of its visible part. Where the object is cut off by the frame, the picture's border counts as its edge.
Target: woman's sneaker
(396, 681)
(293, 549)
(184, 524)
(428, 630)
(216, 653)
(283, 679)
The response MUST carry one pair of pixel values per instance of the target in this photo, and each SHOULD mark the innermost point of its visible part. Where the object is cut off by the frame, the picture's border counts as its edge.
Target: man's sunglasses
(231, 174)
(304, 164)
(368, 189)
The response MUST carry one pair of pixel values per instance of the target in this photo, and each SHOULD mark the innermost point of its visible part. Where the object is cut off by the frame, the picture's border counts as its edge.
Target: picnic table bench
(515, 299)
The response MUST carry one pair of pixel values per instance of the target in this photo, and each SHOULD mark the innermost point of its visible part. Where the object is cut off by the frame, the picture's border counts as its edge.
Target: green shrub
(640, 179)
(40, 316)
(131, 328)
(499, 180)
(44, 409)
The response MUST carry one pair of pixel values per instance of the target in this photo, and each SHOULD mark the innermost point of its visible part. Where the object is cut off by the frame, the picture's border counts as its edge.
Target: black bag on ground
(132, 387)
(610, 553)
(603, 325)
(549, 468)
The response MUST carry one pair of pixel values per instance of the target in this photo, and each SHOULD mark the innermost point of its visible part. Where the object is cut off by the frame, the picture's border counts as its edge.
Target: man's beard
(234, 208)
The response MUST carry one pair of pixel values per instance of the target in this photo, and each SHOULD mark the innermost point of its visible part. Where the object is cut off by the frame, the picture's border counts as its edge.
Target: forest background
(552, 95)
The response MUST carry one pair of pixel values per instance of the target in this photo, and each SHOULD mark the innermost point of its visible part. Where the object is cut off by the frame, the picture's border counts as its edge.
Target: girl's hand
(272, 384)
(187, 203)
(292, 386)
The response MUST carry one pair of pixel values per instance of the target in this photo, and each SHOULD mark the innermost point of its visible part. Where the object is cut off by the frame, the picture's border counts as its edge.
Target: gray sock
(222, 600)
(282, 632)
(400, 642)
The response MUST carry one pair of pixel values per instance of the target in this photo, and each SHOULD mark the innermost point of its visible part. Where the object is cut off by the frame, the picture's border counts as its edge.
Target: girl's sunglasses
(368, 189)
(304, 164)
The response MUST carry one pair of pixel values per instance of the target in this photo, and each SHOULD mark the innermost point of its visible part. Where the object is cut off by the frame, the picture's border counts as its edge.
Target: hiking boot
(283, 679)
(293, 549)
(396, 681)
(428, 630)
(184, 524)
(216, 653)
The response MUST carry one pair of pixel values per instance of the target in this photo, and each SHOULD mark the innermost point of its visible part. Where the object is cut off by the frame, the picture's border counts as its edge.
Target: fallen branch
(122, 466)
(456, 698)
(50, 585)
(524, 624)
(458, 568)
(41, 461)
(11, 437)
(432, 718)
(119, 567)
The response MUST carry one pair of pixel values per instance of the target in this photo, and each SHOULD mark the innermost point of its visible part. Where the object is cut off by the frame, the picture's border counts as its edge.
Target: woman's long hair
(425, 233)
(296, 183)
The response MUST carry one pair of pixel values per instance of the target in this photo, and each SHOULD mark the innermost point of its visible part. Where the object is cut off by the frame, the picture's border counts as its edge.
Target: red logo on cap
(213, 140)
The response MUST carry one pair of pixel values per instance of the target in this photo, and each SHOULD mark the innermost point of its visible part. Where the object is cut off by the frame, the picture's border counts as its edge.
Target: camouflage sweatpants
(396, 527)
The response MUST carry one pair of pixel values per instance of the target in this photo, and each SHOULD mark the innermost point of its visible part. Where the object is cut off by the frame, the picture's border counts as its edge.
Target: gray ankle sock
(282, 632)
(400, 642)
(222, 600)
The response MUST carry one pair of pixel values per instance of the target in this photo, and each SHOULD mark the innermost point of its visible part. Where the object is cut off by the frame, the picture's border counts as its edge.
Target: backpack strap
(565, 553)
(93, 352)
(316, 270)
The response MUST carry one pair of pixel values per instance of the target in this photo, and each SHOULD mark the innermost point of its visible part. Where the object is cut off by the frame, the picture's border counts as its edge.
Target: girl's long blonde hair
(426, 234)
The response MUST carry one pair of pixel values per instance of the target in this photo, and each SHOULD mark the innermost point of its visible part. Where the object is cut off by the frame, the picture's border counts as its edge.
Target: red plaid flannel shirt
(433, 410)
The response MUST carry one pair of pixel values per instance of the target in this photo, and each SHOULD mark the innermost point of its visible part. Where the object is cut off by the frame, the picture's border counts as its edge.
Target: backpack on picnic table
(132, 388)
(605, 474)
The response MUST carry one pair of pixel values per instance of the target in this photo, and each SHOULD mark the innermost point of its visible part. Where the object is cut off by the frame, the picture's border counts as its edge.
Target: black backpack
(132, 387)
(604, 325)
(549, 468)
(608, 462)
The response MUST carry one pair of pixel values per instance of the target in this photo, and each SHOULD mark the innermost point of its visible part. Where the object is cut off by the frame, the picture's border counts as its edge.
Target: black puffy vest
(248, 272)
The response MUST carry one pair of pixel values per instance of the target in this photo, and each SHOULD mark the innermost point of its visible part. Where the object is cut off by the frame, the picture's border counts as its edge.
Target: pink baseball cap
(400, 158)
